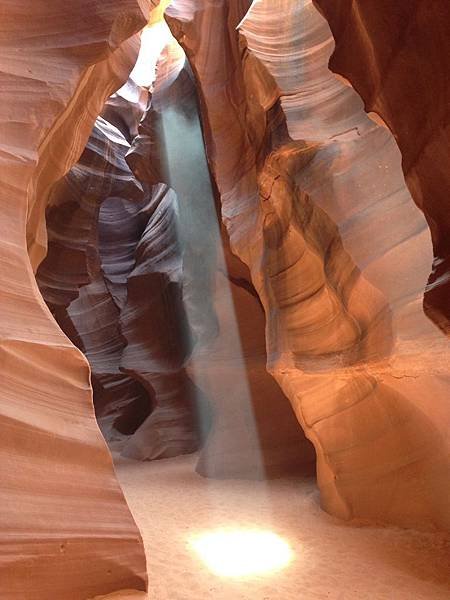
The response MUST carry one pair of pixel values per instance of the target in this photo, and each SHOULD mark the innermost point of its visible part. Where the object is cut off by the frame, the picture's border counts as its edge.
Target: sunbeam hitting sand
(225, 274)
(173, 505)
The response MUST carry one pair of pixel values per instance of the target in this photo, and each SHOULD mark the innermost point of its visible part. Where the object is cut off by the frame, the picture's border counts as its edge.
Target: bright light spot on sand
(242, 552)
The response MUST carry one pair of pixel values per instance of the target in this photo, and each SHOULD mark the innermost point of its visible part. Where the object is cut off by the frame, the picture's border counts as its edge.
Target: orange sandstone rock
(65, 527)
(337, 251)
(396, 55)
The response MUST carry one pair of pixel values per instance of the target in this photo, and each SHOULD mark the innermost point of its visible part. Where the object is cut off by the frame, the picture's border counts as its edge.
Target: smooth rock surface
(227, 364)
(65, 527)
(396, 55)
(317, 276)
(112, 279)
(338, 254)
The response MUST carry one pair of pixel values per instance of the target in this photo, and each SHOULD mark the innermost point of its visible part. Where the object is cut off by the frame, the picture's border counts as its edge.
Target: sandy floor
(331, 560)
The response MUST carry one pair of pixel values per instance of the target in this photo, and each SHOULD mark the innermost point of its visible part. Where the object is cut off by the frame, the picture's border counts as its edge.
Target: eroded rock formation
(337, 251)
(251, 239)
(225, 316)
(138, 274)
(396, 57)
(112, 277)
(66, 529)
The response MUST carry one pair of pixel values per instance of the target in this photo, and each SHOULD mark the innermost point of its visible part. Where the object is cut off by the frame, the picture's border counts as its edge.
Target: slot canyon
(225, 300)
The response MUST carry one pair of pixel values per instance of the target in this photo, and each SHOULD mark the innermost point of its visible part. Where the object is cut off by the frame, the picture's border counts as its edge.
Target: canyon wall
(395, 54)
(315, 286)
(315, 203)
(140, 276)
(227, 363)
(66, 530)
(111, 278)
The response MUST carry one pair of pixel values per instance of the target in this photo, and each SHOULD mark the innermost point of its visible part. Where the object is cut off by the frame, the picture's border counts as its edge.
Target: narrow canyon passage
(330, 560)
(224, 311)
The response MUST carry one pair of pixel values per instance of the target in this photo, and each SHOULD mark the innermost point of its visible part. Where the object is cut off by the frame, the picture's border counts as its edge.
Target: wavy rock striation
(66, 530)
(337, 252)
(85, 287)
(112, 277)
(226, 318)
(396, 57)
(155, 327)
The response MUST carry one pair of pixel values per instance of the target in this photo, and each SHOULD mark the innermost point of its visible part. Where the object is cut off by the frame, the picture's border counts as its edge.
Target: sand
(332, 560)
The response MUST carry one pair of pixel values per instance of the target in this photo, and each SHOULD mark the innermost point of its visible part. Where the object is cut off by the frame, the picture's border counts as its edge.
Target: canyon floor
(330, 560)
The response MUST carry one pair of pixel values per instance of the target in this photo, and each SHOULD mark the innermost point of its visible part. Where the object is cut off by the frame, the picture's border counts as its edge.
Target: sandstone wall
(314, 201)
(66, 529)
(395, 54)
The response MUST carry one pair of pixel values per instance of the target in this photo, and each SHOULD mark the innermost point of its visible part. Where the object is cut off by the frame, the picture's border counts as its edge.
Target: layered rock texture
(140, 276)
(225, 317)
(396, 57)
(112, 280)
(314, 201)
(231, 240)
(66, 530)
